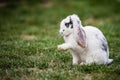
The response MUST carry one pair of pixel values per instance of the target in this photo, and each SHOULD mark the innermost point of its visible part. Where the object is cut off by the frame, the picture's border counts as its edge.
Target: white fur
(92, 53)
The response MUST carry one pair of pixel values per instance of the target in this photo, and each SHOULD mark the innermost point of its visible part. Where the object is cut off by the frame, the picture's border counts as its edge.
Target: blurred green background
(29, 37)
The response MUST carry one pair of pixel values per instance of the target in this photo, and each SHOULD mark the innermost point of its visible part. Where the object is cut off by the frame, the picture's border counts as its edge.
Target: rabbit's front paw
(61, 48)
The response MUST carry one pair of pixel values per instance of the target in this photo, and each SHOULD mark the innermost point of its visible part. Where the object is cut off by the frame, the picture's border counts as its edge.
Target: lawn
(29, 35)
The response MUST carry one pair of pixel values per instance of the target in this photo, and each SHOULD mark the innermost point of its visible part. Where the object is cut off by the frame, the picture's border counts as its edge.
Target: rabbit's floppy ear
(81, 37)
(79, 31)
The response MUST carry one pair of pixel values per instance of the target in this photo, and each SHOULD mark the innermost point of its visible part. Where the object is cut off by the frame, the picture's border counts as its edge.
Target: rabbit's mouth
(64, 35)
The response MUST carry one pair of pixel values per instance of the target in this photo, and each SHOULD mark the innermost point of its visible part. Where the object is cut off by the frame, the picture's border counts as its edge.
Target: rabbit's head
(66, 26)
(72, 25)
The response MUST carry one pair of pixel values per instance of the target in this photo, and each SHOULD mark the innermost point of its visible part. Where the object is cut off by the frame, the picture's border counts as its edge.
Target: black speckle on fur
(70, 23)
(78, 22)
(104, 44)
(97, 36)
(71, 26)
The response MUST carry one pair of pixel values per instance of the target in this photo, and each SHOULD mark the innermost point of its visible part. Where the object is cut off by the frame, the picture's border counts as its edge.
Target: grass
(29, 37)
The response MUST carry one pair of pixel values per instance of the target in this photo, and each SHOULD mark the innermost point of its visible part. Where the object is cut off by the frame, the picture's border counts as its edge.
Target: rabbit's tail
(109, 61)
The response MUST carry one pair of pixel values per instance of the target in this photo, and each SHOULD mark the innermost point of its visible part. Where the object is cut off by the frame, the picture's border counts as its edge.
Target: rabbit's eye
(67, 25)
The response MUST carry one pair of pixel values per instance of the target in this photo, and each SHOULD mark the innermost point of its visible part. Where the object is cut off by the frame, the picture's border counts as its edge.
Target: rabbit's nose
(61, 31)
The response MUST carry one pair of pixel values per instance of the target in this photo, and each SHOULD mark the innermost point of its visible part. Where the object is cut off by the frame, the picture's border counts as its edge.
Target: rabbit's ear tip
(75, 15)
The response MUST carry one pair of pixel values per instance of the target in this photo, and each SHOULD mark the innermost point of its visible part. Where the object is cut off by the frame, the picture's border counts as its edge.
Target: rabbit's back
(95, 38)
(97, 44)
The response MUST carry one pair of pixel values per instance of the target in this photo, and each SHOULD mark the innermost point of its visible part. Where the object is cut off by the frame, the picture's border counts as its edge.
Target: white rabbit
(86, 44)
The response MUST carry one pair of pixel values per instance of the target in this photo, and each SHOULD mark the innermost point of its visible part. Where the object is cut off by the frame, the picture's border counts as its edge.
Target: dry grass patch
(28, 37)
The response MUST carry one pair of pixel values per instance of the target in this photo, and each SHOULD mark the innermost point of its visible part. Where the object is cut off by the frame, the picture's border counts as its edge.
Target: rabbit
(86, 44)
